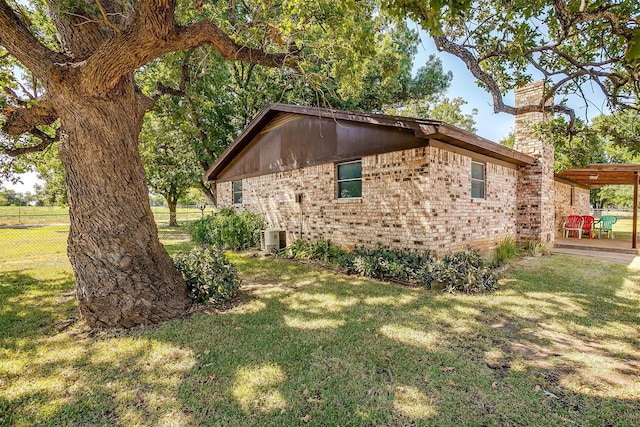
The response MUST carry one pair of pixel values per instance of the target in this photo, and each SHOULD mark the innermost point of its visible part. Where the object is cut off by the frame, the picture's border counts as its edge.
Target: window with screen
(349, 180)
(477, 180)
(237, 192)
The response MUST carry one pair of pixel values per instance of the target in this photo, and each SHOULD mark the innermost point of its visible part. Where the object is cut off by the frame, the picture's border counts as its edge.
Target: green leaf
(633, 51)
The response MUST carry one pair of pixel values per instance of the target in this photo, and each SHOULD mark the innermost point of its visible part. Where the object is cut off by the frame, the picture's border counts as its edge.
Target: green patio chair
(605, 224)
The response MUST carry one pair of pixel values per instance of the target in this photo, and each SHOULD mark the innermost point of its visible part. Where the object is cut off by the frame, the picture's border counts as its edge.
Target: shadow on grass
(340, 350)
(175, 239)
(306, 346)
(32, 307)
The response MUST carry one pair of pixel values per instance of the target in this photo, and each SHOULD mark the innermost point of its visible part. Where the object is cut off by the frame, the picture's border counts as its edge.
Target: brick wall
(565, 205)
(413, 199)
(536, 188)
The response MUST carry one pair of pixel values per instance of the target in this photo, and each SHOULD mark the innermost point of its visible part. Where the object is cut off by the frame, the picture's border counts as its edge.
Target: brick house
(367, 179)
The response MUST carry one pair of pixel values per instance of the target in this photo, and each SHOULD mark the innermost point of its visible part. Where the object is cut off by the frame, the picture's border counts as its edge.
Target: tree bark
(124, 275)
(172, 202)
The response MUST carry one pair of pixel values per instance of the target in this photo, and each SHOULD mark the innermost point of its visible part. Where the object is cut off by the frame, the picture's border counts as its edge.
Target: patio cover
(597, 175)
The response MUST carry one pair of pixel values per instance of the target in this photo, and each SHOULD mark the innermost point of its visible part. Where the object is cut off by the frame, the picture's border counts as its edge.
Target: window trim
(234, 192)
(483, 180)
(338, 180)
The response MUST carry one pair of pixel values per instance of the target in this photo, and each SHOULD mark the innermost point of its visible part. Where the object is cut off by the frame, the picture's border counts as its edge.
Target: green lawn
(558, 344)
(623, 227)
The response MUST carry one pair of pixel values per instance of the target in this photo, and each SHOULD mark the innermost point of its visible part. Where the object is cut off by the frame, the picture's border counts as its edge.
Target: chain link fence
(619, 213)
(25, 228)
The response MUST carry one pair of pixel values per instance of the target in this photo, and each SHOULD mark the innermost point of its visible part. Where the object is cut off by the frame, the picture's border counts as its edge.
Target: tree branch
(182, 85)
(166, 90)
(26, 119)
(472, 63)
(152, 33)
(24, 46)
(45, 139)
(105, 17)
(15, 96)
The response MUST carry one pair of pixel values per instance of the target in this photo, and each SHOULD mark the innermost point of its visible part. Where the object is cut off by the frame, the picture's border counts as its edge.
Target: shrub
(298, 249)
(384, 263)
(463, 271)
(533, 248)
(227, 229)
(507, 249)
(321, 250)
(209, 276)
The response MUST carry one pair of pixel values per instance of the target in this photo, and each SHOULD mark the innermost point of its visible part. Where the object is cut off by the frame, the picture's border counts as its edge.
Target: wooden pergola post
(634, 236)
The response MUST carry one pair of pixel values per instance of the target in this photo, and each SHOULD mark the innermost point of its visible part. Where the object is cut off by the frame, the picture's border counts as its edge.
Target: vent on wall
(272, 240)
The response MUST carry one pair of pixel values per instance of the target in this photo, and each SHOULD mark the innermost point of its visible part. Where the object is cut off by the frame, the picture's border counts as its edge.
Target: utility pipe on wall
(299, 202)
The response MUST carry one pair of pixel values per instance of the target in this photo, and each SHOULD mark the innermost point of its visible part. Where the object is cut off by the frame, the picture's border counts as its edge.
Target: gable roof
(422, 129)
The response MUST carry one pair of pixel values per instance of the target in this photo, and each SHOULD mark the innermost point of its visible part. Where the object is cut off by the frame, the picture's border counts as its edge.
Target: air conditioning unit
(272, 240)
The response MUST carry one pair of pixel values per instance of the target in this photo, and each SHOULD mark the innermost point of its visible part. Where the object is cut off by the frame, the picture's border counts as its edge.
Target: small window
(237, 192)
(349, 180)
(477, 180)
(572, 195)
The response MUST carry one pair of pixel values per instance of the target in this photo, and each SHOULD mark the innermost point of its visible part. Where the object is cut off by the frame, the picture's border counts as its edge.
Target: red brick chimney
(536, 186)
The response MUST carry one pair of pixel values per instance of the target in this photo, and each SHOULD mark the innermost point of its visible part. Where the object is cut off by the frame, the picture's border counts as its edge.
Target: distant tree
(438, 107)
(170, 165)
(12, 198)
(622, 129)
(601, 142)
(573, 150)
(509, 140)
(157, 200)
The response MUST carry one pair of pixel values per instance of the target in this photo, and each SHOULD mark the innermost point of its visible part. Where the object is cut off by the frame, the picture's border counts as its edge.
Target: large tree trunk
(124, 275)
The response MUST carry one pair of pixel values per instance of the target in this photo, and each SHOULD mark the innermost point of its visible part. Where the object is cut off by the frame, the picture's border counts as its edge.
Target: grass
(558, 344)
(623, 227)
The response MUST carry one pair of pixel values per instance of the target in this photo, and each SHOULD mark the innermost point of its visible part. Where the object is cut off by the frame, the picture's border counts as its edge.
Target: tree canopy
(570, 44)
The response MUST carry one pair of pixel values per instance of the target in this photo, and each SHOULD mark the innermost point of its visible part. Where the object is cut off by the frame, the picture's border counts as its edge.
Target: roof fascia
(424, 129)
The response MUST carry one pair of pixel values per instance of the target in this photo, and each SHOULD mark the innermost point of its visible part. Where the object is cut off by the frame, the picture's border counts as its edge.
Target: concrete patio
(616, 250)
(619, 244)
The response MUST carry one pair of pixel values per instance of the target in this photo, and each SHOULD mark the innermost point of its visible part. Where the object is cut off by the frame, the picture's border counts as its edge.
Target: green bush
(507, 250)
(533, 248)
(209, 276)
(227, 229)
(384, 263)
(298, 249)
(462, 271)
(321, 250)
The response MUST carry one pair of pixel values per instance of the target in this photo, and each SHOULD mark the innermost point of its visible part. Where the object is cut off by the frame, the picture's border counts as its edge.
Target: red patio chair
(587, 226)
(573, 225)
